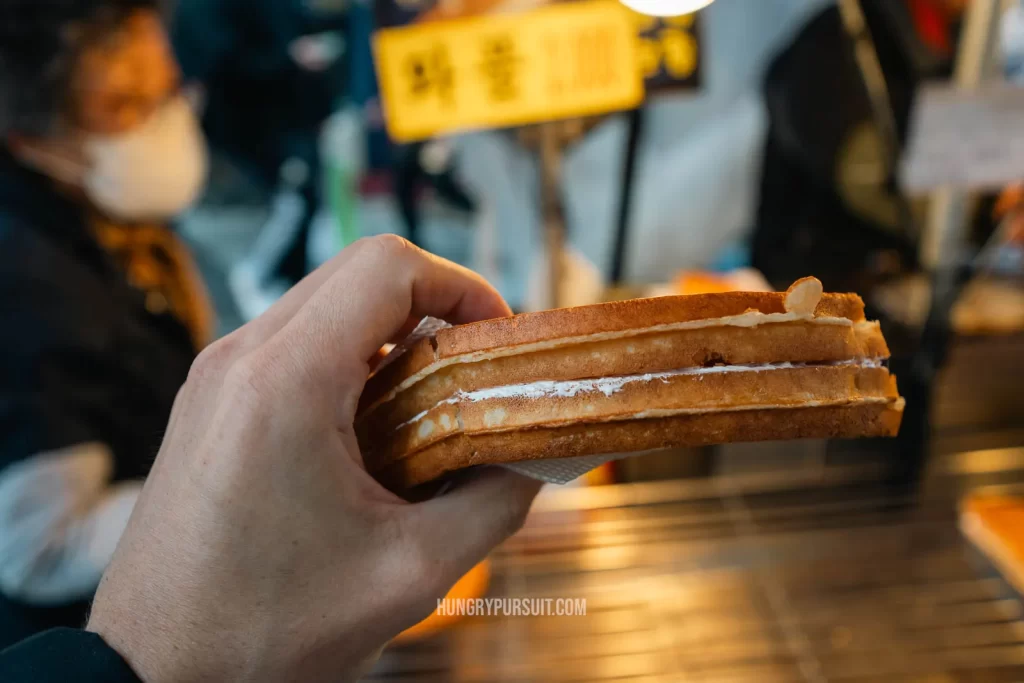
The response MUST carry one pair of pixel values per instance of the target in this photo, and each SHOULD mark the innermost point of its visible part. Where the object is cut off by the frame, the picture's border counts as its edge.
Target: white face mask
(152, 172)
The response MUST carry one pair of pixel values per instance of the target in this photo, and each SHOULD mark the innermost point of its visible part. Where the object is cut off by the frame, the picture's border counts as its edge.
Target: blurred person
(271, 74)
(261, 550)
(829, 192)
(101, 309)
(420, 165)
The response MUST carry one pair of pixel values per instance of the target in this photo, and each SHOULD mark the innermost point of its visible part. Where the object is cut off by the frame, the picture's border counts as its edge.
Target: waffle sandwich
(627, 377)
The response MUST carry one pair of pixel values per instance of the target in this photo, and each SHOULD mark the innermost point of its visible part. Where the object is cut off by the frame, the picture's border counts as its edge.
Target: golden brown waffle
(629, 376)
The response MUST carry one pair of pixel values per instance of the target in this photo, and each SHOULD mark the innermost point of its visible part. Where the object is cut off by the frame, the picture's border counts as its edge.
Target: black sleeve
(235, 38)
(202, 38)
(55, 342)
(49, 345)
(81, 360)
(63, 655)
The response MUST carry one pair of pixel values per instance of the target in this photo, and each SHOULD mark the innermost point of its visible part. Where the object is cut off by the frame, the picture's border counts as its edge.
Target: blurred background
(875, 144)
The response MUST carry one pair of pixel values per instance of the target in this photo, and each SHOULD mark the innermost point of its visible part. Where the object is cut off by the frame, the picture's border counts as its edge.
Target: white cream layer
(611, 385)
(748, 319)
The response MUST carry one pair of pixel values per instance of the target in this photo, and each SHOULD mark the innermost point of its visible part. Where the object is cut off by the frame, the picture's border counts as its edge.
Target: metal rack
(819, 575)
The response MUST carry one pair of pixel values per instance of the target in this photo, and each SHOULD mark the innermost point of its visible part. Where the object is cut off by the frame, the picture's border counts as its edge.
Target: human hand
(260, 549)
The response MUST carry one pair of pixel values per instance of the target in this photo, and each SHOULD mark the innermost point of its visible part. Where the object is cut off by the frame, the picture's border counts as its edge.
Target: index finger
(386, 282)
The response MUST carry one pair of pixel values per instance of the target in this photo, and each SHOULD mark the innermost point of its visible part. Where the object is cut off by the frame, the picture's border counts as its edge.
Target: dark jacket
(258, 98)
(63, 655)
(81, 358)
(817, 105)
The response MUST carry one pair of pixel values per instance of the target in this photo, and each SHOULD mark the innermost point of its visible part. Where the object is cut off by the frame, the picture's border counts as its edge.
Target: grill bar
(740, 579)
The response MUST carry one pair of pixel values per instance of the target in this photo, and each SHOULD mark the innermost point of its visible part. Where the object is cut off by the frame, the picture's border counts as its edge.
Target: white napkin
(563, 470)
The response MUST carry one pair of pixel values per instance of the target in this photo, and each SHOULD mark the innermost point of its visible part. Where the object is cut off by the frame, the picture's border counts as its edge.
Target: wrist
(155, 652)
(163, 648)
(128, 649)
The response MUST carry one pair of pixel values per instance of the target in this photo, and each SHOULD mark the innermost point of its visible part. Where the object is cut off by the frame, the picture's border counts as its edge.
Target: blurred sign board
(669, 48)
(967, 139)
(496, 71)
(669, 51)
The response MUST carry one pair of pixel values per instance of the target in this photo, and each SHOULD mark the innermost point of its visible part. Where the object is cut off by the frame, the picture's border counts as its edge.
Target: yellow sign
(669, 51)
(561, 61)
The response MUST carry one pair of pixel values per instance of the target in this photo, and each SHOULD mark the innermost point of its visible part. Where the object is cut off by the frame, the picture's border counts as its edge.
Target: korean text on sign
(497, 71)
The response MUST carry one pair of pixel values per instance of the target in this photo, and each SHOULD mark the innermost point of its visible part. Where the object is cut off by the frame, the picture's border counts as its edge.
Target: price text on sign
(669, 51)
(557, 62)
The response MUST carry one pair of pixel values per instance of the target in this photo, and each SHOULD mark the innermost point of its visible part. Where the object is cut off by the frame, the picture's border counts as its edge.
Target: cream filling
(749, 319)
(611, 385)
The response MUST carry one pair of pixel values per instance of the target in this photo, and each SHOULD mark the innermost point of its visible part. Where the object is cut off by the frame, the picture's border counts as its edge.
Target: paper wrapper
(428, 327)
(563, 470)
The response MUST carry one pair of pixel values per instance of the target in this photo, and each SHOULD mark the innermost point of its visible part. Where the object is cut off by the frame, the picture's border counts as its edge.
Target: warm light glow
(666, 8)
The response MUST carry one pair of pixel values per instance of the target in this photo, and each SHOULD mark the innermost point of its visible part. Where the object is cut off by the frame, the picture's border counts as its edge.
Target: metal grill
(762, 578)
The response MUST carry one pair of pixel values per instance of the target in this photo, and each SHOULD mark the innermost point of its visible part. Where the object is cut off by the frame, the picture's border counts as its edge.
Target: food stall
(793, 561)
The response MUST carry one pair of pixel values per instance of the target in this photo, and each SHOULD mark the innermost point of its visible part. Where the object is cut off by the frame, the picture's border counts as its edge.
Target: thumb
(474, 518)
